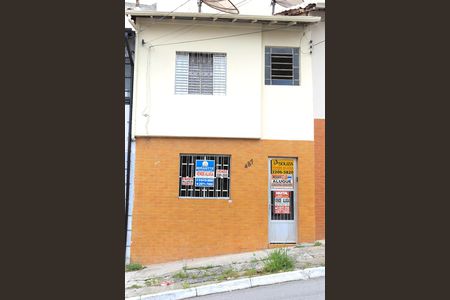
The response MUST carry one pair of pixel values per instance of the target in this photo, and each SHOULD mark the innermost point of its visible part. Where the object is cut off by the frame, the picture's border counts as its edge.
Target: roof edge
(220, 17)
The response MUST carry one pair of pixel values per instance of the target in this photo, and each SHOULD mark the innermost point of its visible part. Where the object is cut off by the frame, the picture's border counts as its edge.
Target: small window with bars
(282, 66)
(204, 176)
(128, 78)
(200, 73)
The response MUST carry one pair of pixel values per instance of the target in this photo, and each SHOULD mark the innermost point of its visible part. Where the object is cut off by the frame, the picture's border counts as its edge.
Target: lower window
(204, 176)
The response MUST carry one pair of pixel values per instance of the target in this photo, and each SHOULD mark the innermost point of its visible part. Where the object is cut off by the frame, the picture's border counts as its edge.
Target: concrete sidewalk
(191, 273)
(235, 285)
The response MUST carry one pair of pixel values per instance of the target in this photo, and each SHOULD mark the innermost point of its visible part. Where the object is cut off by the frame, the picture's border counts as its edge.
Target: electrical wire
(220, 37)
(188, 28)
(313, 46)
(318, 43)
(173, 10)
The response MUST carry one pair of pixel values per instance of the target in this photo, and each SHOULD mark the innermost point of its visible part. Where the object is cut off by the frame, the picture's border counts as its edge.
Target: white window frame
(182, 74)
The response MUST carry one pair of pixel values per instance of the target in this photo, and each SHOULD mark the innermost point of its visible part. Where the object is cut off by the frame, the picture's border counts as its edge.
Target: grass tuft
(278, 260)
(181, 275)
(228, 273)
(135, 286)
(186, 285)
(133, 267)
(250, 272)
(152, 281)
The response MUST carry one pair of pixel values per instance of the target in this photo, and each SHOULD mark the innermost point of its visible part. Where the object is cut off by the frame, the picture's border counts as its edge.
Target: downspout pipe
(128, 178)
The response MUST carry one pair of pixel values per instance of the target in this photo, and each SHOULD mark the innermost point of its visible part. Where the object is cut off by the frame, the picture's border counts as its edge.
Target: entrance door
(282, 200)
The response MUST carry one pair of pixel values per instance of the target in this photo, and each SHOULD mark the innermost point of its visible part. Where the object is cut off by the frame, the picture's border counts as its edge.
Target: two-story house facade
(223, 123)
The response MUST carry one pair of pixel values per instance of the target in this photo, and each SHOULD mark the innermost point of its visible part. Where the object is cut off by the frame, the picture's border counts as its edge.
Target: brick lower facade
(167, 228)
(319, 149)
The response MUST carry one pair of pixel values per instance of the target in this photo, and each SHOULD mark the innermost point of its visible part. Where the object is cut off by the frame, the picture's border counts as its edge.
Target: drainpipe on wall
(128, 178)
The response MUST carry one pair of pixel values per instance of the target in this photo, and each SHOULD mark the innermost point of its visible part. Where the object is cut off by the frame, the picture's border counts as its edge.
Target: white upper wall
(288, 110)
(250, 109)
(318, 70)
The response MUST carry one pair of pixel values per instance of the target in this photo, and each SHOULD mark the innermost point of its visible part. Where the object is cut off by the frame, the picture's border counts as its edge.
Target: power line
(220, 37)
(318, 43)
(187, 29)
(173, 10)
(310, 49)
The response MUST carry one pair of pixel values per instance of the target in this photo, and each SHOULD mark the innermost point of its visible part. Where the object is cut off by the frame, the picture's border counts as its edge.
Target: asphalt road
(312, 289)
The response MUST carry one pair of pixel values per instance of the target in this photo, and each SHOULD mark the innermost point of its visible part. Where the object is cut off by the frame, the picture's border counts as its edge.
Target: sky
(246, 7)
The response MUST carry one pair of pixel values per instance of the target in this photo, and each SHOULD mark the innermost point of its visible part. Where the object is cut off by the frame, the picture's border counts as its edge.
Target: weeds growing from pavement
(250, 272)
(186, 285)
(181, 275)
(228, 273)
(278, 260)
(135, 286)
(133, 267)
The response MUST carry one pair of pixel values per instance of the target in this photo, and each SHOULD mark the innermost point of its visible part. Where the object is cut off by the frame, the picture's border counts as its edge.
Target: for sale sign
(204, 173)
(282, 201)
(282, 181)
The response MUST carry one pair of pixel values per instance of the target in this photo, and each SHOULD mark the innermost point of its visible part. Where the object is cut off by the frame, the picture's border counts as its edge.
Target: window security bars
(282, 66)
(128, 78)
(218, 186)
(284, 216)
(200, 73)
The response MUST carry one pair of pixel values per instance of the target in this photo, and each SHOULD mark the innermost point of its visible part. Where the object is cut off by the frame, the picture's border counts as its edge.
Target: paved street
(312, 289)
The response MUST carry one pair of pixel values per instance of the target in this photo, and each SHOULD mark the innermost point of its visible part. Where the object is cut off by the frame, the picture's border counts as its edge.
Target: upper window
(200, 73)
(128, 78)
(282, 66)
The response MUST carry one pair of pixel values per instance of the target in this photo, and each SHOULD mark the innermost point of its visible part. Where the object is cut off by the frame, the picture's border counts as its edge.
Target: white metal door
(282, 200)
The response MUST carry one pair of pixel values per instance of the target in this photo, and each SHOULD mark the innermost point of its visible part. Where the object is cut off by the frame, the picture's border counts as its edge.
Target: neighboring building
(137, 5)
(130, 42)
(318, 61)
(223, 119)
(129, 144)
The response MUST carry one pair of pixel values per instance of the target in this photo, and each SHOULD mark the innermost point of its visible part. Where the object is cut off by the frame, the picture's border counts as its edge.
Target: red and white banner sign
(204, 174)
(187, 181)
(282, 201)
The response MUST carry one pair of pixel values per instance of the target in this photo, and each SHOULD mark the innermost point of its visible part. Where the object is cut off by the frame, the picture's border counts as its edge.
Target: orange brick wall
(167, 228)
(319, 149)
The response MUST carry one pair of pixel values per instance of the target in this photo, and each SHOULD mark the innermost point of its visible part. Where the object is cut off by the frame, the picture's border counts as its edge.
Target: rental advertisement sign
(282, 181)
(204, 173)
(282, 166)
(282, 201)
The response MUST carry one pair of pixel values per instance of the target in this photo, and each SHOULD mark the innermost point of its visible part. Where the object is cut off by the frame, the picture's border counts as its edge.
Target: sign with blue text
(204, 173)
(204, 182)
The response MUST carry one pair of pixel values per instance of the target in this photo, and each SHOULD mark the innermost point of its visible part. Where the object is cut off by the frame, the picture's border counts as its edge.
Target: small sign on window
(282, 166)
(282, 201)
(221, 173)
(187, 181)
(285, 181)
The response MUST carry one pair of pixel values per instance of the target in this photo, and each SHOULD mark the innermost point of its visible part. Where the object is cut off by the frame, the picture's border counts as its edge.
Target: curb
(232, 285)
